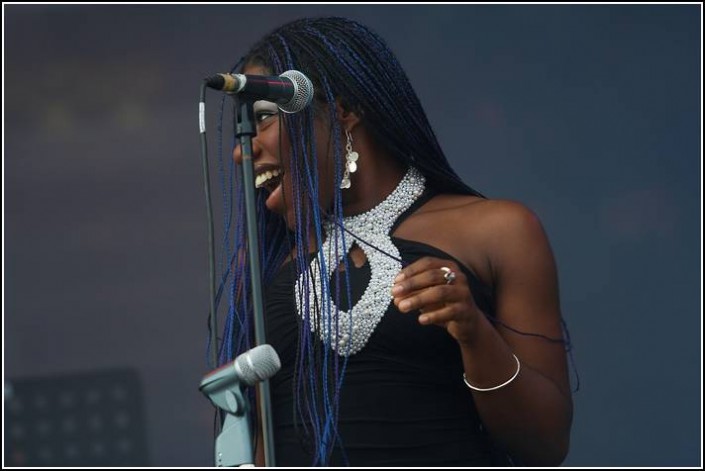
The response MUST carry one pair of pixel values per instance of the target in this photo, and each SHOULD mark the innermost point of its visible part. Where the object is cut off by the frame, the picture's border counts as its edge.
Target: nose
(256, 150)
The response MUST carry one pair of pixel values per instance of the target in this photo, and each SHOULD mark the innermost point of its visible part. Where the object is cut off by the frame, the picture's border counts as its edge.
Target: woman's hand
(443, 299)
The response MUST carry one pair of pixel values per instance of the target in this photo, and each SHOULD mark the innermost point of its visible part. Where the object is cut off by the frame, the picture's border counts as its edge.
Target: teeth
(263, 178)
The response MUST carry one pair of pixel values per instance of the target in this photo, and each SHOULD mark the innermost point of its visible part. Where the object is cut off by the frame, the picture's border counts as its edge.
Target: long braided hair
(348, 62)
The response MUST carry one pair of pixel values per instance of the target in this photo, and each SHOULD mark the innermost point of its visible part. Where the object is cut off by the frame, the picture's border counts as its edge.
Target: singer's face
(271, 153)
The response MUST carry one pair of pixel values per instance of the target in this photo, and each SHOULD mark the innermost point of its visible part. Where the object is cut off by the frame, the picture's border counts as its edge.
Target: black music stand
(87, 419)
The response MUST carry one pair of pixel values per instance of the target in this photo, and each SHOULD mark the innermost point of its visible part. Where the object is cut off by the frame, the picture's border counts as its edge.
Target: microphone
(292, 90)
(249, 368)
(223, 386)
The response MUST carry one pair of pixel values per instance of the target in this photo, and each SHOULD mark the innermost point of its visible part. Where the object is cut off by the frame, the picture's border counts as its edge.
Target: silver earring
(350, 162)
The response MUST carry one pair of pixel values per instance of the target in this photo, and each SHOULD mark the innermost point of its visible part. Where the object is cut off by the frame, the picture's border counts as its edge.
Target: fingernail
(423, 319)
(404, 305)
(399, 277)
(397, 289)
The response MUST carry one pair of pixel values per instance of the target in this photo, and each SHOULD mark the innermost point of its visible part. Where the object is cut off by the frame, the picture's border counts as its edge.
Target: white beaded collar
(347, 332)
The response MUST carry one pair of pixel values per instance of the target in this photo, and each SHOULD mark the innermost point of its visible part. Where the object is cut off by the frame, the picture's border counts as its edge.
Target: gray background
(587, 114)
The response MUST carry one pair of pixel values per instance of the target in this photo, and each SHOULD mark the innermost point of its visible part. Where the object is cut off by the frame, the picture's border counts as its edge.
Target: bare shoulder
(495, 219)
(517, 250)
(504, 219)
(507, 230)
(485, 234)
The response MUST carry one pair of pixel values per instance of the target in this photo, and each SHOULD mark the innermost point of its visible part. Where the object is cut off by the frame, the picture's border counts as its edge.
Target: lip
(272, 202)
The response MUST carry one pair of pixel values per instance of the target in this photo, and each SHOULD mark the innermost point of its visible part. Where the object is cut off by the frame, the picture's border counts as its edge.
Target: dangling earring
(350, 162)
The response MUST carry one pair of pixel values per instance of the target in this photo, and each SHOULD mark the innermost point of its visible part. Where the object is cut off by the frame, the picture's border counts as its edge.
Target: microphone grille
(303, 92)
(257, 364)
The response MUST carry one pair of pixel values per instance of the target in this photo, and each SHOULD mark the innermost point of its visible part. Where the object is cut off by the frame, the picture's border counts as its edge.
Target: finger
(428, 297)
(442, 315)
(425, 279)
(423, 264)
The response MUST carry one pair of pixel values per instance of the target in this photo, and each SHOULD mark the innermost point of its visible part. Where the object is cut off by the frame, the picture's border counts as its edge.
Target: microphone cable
(212, 317)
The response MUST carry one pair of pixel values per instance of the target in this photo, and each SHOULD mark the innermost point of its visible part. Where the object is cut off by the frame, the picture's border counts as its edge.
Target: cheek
(326, 174)
(274, 143)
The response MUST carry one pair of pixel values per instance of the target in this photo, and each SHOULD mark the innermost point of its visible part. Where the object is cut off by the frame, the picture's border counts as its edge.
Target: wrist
(487, 358)
(480, 331)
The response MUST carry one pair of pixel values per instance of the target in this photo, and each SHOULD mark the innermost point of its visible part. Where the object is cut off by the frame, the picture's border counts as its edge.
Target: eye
(264, 115)
(264, 111)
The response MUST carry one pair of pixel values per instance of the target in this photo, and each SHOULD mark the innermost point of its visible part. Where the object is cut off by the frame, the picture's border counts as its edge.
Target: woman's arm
(531, 416)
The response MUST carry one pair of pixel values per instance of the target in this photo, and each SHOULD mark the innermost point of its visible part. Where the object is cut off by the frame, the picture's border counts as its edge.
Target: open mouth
(268, 178)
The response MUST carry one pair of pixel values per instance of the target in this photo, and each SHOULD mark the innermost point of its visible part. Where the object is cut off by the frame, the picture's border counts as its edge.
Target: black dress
(403, 400)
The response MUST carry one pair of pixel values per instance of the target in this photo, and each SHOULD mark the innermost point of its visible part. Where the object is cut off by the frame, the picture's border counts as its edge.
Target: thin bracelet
(495, 387)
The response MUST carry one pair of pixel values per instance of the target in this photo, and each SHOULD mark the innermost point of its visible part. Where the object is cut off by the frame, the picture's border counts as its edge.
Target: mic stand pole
(245, 130)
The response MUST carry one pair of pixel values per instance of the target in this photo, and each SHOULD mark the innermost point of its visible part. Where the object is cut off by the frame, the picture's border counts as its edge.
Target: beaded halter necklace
(347, 332)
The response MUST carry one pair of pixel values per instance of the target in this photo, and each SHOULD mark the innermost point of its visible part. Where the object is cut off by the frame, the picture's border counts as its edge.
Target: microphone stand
(233, 447)
(245, 130)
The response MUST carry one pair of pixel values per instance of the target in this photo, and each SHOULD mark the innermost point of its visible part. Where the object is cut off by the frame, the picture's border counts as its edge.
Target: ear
(348, 119)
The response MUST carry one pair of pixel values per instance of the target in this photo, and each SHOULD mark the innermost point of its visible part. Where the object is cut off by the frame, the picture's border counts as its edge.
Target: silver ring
(448, 274)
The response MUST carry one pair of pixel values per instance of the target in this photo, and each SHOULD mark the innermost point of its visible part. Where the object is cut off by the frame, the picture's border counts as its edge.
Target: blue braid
(338, 216)
(310, 166)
